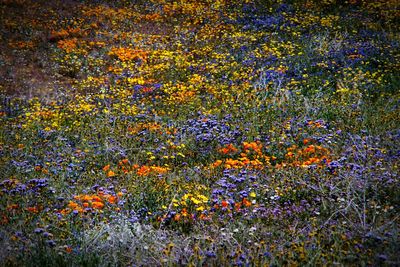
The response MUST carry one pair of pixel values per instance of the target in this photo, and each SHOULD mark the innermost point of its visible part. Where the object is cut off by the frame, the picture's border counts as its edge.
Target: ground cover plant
(201, 133)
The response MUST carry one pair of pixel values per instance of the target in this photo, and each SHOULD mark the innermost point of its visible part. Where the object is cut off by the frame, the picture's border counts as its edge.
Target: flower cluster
(199, 132)
(127, 54)
(85, 203)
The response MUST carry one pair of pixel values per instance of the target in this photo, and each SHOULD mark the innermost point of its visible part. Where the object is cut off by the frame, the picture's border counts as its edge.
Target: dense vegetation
(203, 133)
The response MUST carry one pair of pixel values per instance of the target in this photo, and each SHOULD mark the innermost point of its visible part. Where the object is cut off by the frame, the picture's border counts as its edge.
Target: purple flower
(211, 254)
(51, 243)
(39, 230)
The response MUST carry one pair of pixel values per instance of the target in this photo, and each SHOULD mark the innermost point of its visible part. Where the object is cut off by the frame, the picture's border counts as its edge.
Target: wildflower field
(200, 133)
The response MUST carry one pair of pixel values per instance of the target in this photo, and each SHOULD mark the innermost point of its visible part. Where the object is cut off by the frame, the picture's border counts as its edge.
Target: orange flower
(86, 198)
(106, 168)
(97, 205)
(237, 206)
(73, 205)
(255, 146)
(32, 209)
(310, 149)
(184, 212)
(112, 199)
(246, 202)
(68, 44)
(96, 198)
(159, 170)
(228, 149)
(65, 211)
(126, 54)
(177, 217)
(217, 163)
(142, 171)
(146, 170)
(224, 203)
(110, 174)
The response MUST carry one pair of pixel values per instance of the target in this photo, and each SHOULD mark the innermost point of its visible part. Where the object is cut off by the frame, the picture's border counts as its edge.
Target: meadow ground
(202, 133)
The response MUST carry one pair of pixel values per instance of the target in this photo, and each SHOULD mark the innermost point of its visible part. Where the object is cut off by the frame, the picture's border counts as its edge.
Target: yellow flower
(203, 198)
(195, 201)
(201, 208)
